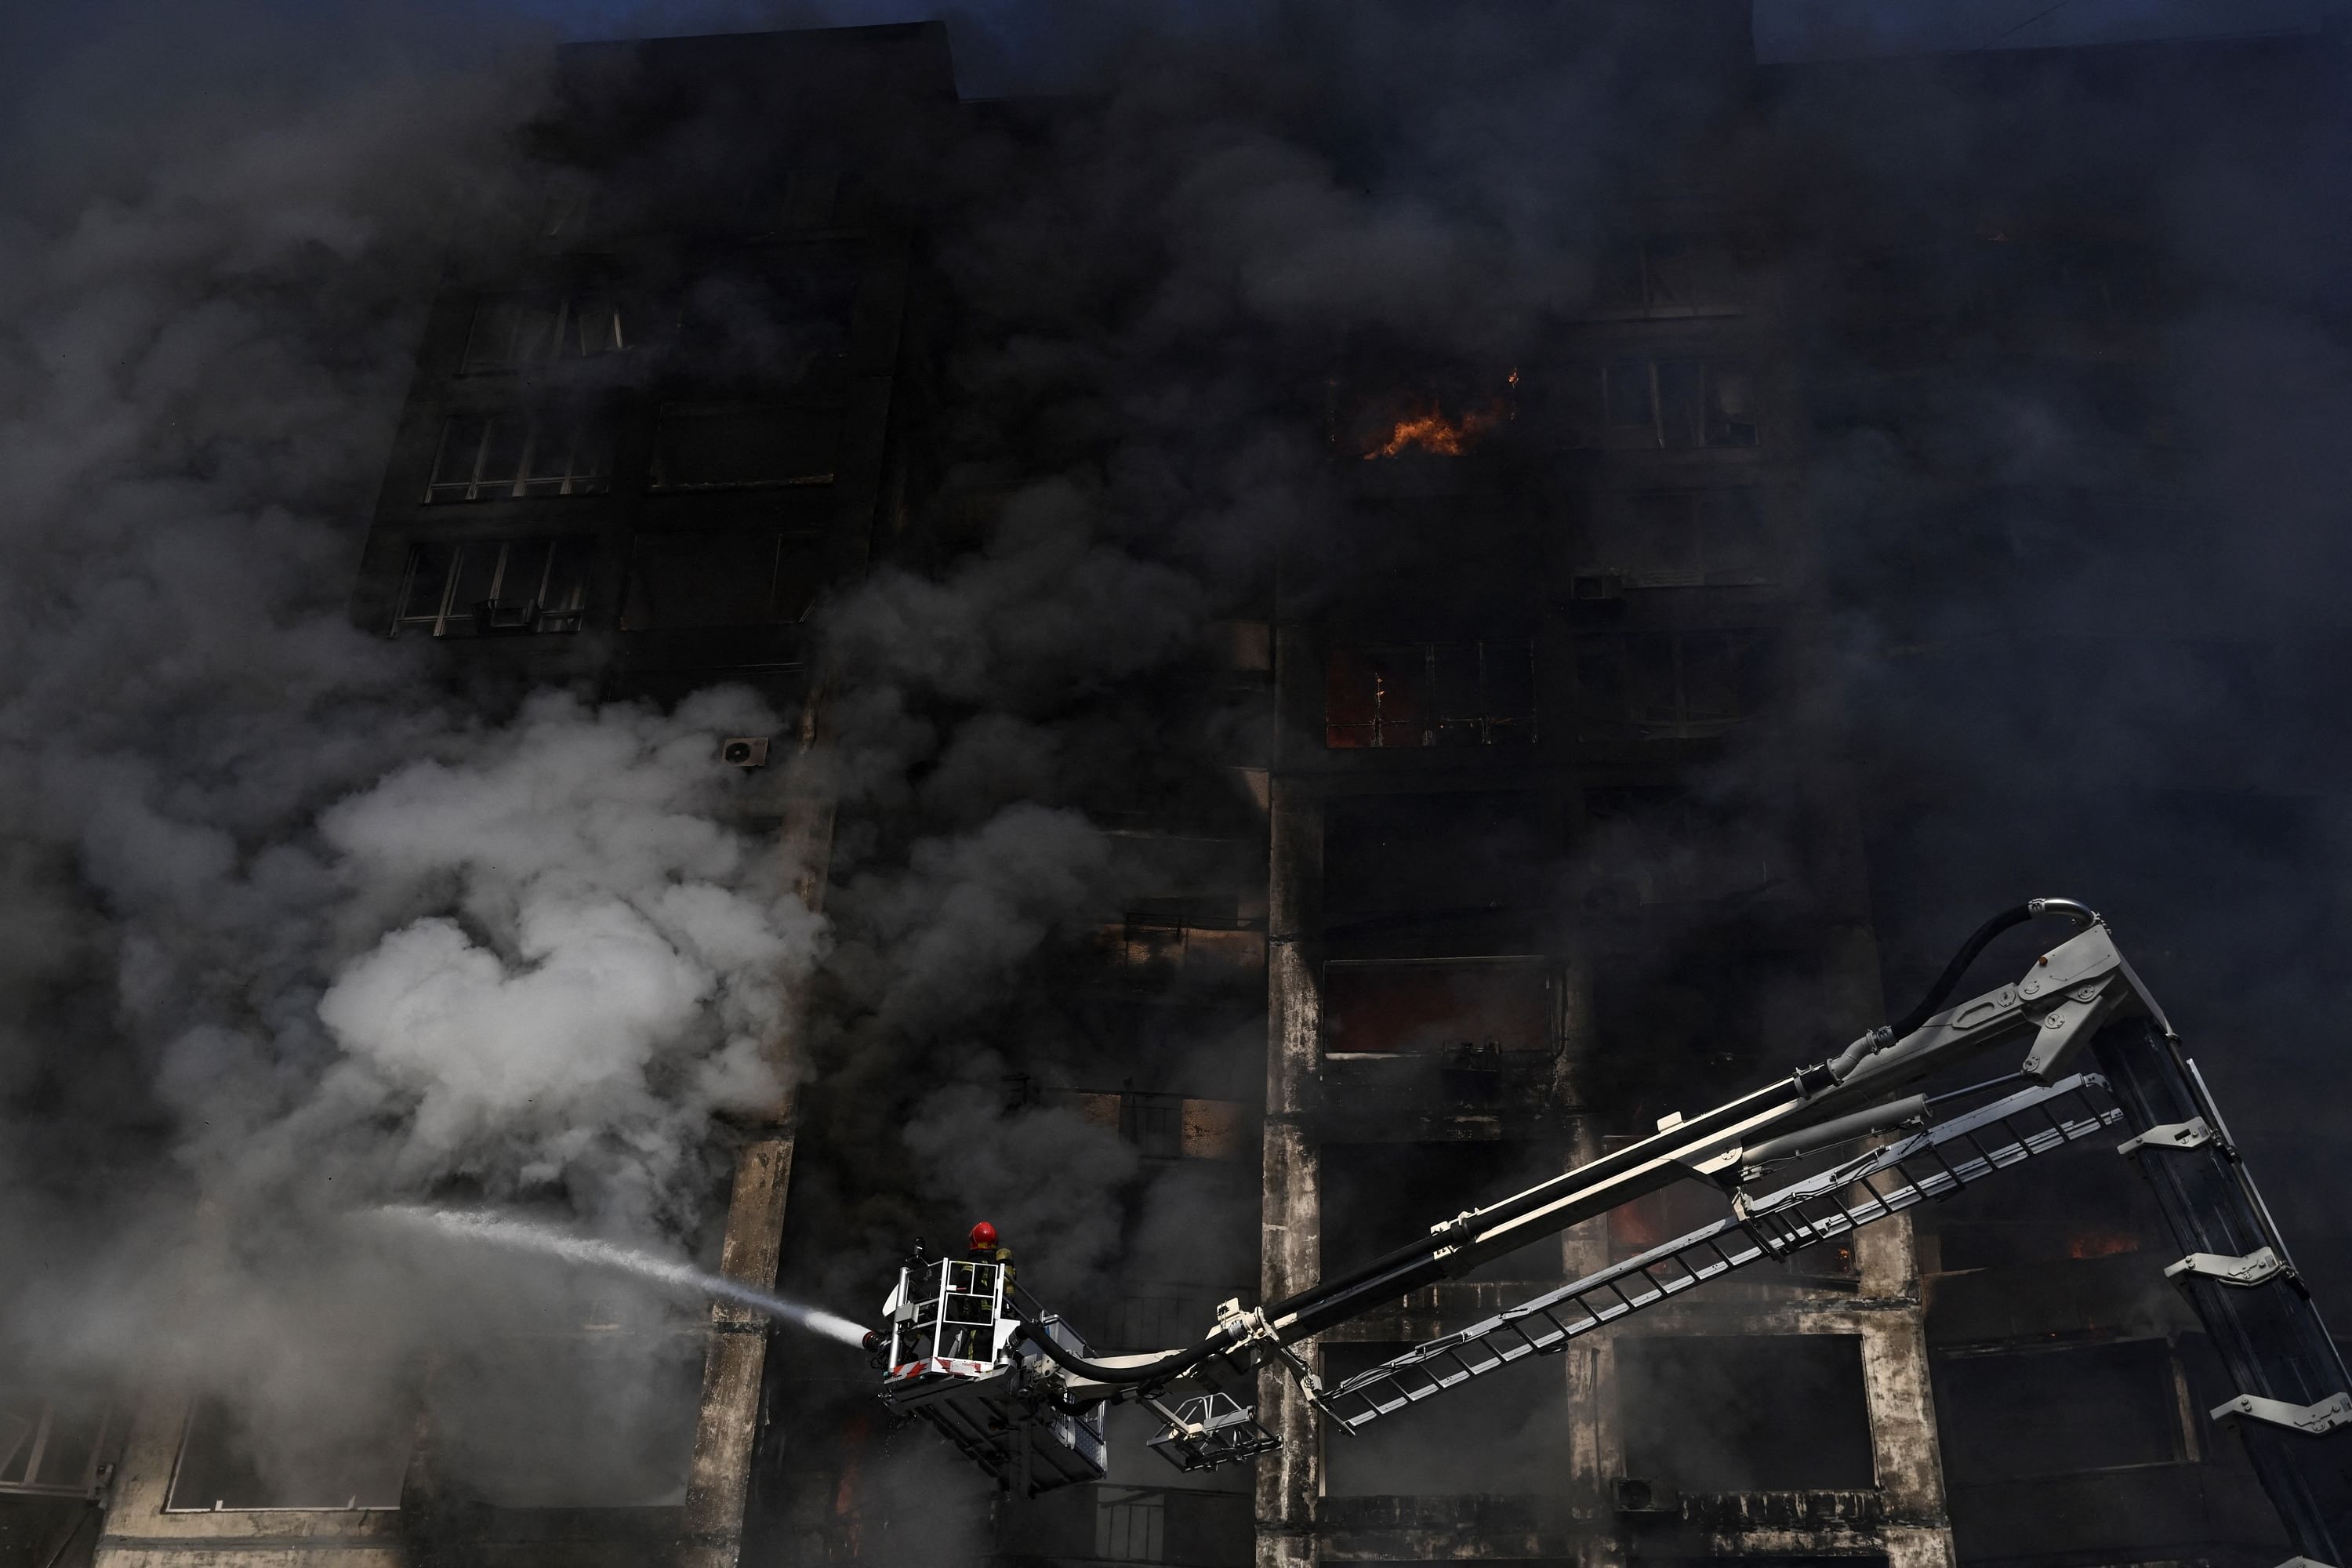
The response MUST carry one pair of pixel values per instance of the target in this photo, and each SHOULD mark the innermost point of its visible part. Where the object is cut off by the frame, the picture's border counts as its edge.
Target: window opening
(2006, 1416)
(1674, 685)
(1676, 403)
(1153, 945)
(1507, 1436)
(488, 586)
(740, 578)
(1428, 858)
(222, 1467)
(1435, 1006)
(1800, 1421)
(1154, 1123)
(1430, 694)
(1131, 1526)
(51, 1446)
(537, 327)
(515, 456)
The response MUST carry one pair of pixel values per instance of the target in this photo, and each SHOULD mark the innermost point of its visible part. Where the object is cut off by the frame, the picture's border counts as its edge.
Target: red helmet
(983, 1236)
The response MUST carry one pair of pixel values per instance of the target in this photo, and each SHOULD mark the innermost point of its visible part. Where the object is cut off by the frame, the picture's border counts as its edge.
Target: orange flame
(1427, 429)
(1427, 432)
(2100, 1244)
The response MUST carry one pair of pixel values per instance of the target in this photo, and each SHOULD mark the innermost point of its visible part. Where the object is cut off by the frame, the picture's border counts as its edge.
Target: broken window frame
(542, 326)
(1419, 705)
(29, 1467)
(558, 594)
(481, 474)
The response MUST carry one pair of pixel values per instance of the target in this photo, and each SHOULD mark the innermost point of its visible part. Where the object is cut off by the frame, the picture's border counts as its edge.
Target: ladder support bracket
(2260, 1265)
(2194, 1133)
(2312, 1420)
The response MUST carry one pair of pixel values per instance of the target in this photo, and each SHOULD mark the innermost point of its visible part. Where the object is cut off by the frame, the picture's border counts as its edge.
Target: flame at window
(1426, 428)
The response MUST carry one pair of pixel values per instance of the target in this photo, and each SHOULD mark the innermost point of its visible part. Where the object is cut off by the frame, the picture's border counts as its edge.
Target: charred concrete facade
(1493, 880)
(1517, 920)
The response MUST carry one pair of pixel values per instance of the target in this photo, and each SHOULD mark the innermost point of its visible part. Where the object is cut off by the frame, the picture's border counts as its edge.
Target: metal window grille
(489, 587)
(1154, 1123)
(1131, 1526)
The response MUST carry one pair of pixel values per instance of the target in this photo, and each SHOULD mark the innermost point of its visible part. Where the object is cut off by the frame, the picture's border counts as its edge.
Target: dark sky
(1785, 29)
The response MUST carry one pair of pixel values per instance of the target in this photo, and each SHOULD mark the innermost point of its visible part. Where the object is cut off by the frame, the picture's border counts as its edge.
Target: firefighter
(984, 1247)
(976, 1343)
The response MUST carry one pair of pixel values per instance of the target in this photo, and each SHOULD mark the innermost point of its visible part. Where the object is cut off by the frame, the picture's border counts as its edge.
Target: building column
(1906, 1451)
(1290, 1479)
(1588, 1364)
(1903, 1446)
(726, 1425)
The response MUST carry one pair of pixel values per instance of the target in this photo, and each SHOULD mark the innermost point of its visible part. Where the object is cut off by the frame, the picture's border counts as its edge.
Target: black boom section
(2293, 1404)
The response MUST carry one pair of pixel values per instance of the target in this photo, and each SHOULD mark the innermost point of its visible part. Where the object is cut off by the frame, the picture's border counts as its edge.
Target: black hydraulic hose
(1168, 1365)
(1948, 981)
(1954, 972)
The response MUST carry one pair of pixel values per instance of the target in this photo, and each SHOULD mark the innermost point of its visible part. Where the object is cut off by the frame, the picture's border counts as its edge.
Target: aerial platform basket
(956, 1359)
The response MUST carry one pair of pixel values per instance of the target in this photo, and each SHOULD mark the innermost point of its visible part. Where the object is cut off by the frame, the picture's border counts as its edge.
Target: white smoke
(285, 928)
(607, 966)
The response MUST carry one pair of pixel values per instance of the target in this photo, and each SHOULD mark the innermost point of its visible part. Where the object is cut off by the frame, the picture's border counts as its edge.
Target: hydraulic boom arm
(2292, 1386)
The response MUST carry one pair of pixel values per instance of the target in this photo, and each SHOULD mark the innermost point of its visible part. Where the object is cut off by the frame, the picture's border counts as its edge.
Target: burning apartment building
(1286, 753)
